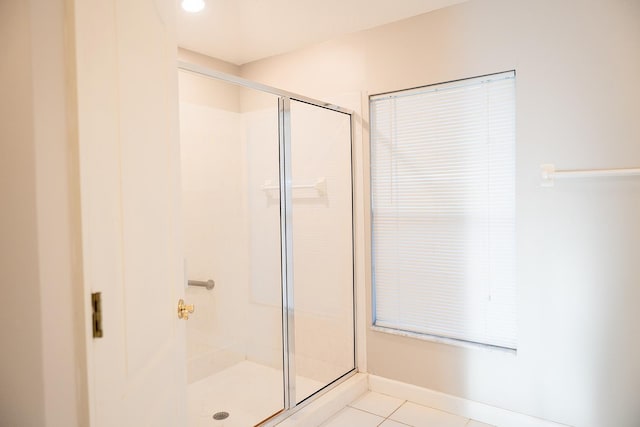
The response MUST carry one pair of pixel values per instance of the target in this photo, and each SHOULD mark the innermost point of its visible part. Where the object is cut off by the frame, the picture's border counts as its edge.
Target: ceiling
(241, 31)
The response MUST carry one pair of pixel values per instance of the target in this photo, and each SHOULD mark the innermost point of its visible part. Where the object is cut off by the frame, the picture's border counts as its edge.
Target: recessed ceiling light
(193, 6)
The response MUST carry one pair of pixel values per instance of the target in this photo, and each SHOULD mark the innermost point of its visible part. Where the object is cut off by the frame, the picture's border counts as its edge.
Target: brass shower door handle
(184, 310)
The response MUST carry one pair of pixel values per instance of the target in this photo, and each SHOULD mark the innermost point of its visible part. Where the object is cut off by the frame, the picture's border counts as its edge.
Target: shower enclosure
(267, 208)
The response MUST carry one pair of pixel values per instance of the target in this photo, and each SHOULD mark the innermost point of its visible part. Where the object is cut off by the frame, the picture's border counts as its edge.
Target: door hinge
(96, 316)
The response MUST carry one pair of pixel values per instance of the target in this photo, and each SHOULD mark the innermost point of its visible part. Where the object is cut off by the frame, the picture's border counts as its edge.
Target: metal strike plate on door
(184, 310)
(96, 314)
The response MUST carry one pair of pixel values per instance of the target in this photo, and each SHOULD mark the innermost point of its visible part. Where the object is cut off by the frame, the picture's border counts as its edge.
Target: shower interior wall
(229, 145)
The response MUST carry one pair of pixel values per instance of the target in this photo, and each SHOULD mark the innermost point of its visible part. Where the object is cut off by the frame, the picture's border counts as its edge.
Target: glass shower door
(267, 210)
(322, 247)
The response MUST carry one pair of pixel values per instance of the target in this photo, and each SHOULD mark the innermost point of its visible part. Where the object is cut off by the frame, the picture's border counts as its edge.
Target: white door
(129, 177)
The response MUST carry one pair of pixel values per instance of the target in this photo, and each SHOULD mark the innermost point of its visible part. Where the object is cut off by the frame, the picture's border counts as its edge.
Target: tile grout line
(366, 412)
(396, 410)
(435, 409)
(378, 415)
(393, 412)
(404, 401)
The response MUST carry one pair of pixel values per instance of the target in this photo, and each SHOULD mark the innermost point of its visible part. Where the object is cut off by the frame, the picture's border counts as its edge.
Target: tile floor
(227, 391)
(375, 409)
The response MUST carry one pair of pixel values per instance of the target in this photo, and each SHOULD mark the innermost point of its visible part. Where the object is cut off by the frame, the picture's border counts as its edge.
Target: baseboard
(456, 405)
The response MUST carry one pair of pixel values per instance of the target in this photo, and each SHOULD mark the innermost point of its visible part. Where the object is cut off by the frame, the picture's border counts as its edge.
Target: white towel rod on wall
(549, 173)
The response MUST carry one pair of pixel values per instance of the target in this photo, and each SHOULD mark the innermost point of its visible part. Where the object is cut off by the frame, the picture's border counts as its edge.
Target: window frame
(448, 218)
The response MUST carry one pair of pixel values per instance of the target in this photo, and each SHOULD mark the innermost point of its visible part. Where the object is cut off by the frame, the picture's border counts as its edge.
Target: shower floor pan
(247, 391)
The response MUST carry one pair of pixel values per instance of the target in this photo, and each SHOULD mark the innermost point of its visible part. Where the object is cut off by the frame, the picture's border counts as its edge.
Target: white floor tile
(376, 403)
(350, 417)
(474, 423)
(391, 423)
(421, 416)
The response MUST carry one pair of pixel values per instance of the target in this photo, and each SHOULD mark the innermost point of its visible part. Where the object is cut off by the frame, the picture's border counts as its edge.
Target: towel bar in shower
(209, 284)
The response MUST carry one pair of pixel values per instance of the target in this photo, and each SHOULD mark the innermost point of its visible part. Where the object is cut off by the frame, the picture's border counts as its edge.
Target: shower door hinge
(96, 316)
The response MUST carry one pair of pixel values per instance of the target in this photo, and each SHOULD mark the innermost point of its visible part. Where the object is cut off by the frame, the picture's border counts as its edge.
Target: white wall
(42, 368)
(577, 66)
(21, 370)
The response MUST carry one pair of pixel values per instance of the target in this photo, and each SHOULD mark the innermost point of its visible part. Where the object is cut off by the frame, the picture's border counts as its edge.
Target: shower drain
(220, 416)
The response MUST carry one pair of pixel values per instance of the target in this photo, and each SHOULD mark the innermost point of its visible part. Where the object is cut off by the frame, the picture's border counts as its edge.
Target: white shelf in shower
(320, 186)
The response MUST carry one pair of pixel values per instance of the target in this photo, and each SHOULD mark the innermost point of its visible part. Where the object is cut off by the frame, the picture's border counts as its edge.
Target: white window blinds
(443, 206)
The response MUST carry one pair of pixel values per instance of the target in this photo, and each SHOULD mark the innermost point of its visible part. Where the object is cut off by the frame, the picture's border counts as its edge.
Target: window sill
(443, 340)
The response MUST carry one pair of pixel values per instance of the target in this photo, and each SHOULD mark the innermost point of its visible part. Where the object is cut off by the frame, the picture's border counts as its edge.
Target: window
(443, 210)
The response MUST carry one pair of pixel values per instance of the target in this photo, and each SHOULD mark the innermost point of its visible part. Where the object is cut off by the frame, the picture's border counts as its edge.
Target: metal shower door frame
(286, 235)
